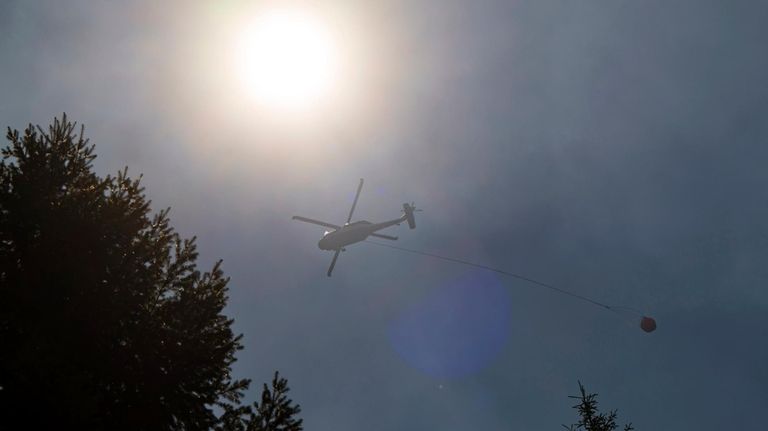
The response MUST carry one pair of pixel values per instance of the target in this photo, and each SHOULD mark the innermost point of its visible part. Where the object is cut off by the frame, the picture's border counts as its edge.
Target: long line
(500, 271)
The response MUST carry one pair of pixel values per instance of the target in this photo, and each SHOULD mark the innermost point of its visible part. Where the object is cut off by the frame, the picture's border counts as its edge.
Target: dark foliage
(276, 412)
(590, 417)
(105, 320)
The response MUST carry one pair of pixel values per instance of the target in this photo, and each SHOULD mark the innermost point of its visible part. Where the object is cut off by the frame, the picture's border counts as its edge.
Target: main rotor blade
(333, 262)
(317, 222)
(379, 235)
(357, 195)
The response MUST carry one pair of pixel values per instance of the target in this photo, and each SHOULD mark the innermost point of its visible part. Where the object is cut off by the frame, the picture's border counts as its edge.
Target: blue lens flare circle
(457, 330)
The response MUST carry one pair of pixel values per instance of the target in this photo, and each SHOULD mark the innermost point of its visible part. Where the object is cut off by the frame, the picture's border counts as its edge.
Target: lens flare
(457, 330)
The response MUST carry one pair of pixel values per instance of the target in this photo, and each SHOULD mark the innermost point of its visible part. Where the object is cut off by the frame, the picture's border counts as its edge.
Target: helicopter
(350, 233)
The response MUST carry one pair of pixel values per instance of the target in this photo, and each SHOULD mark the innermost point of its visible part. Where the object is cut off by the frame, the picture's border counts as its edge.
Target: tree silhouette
(105, 320)
(590, 417)
(276, 411)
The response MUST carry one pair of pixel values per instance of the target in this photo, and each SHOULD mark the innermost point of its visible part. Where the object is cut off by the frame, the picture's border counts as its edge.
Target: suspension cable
(501, 271)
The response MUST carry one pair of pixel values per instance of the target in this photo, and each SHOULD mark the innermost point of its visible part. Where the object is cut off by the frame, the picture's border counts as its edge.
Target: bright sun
(287, 60)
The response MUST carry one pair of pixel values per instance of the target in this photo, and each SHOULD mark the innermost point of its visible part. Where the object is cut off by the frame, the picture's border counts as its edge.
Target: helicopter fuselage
(353, 232)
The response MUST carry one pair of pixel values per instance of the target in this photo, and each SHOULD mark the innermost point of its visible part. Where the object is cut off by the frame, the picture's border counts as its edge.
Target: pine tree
(276, 411)
(105, 320)
(590, 417)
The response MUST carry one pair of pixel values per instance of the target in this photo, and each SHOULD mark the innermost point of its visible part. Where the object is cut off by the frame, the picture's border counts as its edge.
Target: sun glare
(287, 60)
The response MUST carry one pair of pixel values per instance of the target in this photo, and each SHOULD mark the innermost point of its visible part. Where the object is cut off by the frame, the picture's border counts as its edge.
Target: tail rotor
(408, 210)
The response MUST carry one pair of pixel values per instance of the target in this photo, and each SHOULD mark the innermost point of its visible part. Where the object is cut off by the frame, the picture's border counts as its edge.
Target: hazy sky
(614, 148)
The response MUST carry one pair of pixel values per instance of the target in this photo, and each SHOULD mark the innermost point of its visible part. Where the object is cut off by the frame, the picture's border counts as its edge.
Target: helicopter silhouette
(350, 233)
